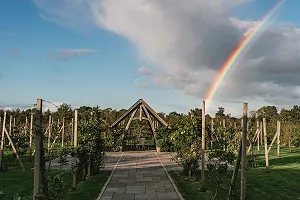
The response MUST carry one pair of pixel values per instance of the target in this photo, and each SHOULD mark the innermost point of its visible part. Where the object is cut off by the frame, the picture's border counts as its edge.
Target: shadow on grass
(282, 182)
(15, 183)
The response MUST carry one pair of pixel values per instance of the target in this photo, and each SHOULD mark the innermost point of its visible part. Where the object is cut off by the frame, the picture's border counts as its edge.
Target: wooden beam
(154, 114)
(149, 119)
(137, 118)
(275, 137)
(130, 120)
(134, 106)
(14, 150)
(141, 112)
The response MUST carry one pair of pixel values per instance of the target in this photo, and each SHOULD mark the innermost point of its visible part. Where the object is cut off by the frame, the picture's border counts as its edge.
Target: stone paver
(140, 176)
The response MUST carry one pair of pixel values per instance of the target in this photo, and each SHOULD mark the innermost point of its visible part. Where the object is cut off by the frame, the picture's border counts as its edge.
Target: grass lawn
(14, 183)
(89, 189)
(282, 182)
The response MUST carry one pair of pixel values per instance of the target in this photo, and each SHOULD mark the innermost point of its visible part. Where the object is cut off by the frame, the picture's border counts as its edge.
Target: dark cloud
(190, 42)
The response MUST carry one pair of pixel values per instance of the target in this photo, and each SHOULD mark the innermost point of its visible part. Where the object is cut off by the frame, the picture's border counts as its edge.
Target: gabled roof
(142, 107)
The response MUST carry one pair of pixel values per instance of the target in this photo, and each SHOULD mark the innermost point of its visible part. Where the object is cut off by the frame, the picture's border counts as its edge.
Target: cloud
(144, 71)
(141, 84)
(189, 42)
(46, 105)
(21, 106)
(13, 52)
(68, 54)
(52, 107)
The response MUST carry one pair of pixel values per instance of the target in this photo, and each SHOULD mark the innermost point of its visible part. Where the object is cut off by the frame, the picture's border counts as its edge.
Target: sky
(111, 53)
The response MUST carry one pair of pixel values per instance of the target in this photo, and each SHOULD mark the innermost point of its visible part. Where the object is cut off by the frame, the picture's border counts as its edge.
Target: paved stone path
(140, 176)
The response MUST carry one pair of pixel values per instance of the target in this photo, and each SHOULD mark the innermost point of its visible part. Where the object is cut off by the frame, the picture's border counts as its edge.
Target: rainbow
(241, 50)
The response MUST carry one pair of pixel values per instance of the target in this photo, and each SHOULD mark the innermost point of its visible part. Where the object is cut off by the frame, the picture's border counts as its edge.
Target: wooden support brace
(150, 121)
(130, 119)
(14, 149)
(266, 145)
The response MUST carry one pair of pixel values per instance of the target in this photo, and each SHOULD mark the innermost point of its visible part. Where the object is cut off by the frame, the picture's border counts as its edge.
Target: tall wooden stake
(236, 170)
(261, 132)
(266, 145)
(10, 124)
(63, 133)
(75, 149)
(278, 139)
(30, 136)
(26, 125)
(212, 131)
(258, 134)
(203, 144)
(2, 140)
(38, 141)
(244, 152)
(49, 132)
(72, 132)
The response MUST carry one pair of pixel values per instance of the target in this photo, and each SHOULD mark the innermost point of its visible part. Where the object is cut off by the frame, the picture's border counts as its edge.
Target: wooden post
(261, 133)
(266, 144)
(141, 112)
(236, 170)
(244, 144)
(258, 134)
(10, 124)
(212, 131)
(14, 124)
(63, 133)
(2, 141)
(38, 141)
(26, 125)
(224, 126)
(278, 139)
(30, 136)
(72, 132)
(203, 144)
(75, 149)
(49, 131)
